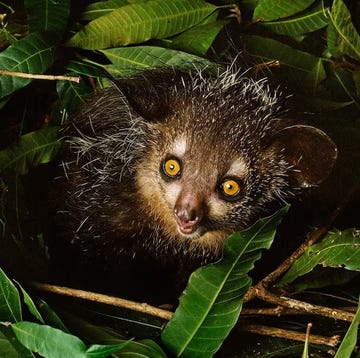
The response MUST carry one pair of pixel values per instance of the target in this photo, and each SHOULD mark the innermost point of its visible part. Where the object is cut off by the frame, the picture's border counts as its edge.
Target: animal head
(219, 149)
(200, 154)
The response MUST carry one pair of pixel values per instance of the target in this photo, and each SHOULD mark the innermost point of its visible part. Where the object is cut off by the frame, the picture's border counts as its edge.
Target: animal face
(175, 161)
(197, 181)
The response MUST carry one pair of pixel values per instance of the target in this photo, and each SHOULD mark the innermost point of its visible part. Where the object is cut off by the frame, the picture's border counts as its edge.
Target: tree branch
(287, 334)
(304, 307)
(39, 77)
(97, 297)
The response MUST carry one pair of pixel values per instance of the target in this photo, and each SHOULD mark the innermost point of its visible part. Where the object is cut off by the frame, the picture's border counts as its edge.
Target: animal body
(168, 163)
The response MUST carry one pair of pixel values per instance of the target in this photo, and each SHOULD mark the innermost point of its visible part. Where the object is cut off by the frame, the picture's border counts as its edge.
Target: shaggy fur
(225, 125)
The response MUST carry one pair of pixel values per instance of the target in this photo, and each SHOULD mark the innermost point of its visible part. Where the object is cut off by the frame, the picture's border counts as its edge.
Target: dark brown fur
(118, 202)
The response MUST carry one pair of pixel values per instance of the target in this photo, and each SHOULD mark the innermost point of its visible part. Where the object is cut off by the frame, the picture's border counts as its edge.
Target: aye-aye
(168, 163)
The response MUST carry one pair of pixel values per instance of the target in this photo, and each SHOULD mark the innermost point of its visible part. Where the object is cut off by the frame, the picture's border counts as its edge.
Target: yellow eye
(230, 187)
(172, 167)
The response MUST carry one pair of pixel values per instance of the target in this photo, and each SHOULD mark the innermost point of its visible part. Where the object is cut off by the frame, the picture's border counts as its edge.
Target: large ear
(309, 150)
(146, 95)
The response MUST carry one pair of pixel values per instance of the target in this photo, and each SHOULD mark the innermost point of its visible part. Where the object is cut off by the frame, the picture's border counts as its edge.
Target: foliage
(312, 48)
(218, 290)
(32, 149)
(31, 54)
(336, 249)
(217, 312)
(41, 338)
(141, 22)
(349, 342)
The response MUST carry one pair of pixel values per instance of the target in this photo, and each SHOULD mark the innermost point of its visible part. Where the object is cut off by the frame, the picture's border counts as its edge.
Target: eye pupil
(230, 187)
(172, 168)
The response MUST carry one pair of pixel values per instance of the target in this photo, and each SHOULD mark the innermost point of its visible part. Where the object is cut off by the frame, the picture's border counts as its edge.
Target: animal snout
(188, 212)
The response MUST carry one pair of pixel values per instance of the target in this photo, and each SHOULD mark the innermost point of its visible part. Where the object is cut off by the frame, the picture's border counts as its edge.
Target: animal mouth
(187, 229)
(190, 232)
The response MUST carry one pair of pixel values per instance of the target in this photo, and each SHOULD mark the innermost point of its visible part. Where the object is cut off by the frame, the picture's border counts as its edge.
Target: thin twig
(97, 297)
(285, 265)
(316, 236)
(304, 306)
(39, 77)
(284, 311)
(273, 311)
(293, 335)
(167, 315)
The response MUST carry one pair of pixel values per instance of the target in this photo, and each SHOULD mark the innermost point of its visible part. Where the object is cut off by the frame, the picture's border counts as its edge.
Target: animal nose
(188, 212)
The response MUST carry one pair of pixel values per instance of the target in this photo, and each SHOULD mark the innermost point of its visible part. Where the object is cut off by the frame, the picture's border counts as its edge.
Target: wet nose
(188, 212)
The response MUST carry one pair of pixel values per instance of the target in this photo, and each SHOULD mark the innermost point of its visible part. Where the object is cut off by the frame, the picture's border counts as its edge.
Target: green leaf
(47, 15)
(332, 39)
(348, 344)
(50, 317)
(48, 341)
(5, 35)
(83, 68)
(129, 60)
(10, 306)
(270, 50)
(72, 94)
(32, 149)
(10, 347)
(32, 54)
(303, 23)
(267, 10)
(340, 84)
(323, 277)
(97, 350)
(343, 38)
(356, 78)
(345, 80)
(6, 348)
(142, 348)
(338, 249)
(52, 342)
(198, 39)
(307, 69)
(30, 304)
(211, 303)
(105, 335)
(141, 22)
(101, 8)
